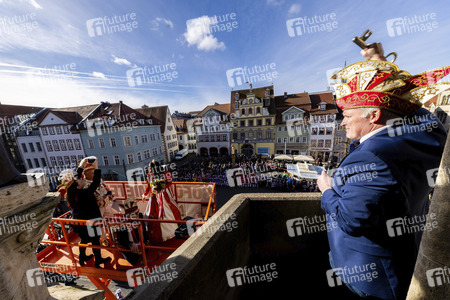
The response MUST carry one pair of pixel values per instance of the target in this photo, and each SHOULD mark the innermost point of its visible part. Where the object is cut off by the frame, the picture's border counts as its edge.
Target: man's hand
(324, 182)
(374, 52)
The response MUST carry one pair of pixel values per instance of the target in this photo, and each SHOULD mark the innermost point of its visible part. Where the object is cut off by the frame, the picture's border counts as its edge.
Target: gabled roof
(83, 110)
(70, 117)
(7, 110)
(300, 100)
(221, 108)
(180, 125)
(119, 111)
(158, 114)
(318, 98)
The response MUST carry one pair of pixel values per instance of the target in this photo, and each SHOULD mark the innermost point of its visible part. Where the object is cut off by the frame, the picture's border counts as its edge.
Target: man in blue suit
(378, 197)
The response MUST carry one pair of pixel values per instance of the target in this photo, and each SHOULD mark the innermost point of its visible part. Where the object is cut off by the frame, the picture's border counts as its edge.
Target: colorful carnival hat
(88, 163)
(382, 84)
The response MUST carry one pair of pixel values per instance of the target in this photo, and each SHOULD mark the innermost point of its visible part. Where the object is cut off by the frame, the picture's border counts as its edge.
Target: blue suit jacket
(382, 180)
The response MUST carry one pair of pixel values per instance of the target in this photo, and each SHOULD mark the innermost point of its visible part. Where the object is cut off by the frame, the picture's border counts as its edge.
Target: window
(127, 141)
(146, 154)
(158, 136)
(321, 131)
(55, 145)
(60, 161)
(207, 138)
(130, 158)
(285, 128)
(144, 139)
(51, 130)
(139, 156)
(328, 143)
(212, 138)
(58, 130)
(30, 165)
(242, 135)
(297, 139)
(320, 143)
(62, 143)
(250, 122)
(329, 131)
(44, 130)
(90, 144)
(69, 145)
(67, 161)
(313, 143)
(43, 162)
(24, 147)
(49, 146)
(242, 112)
(36, 163)
(259, 122)
(66, 129)
(73, 158)
(250, 111)
(116, 160)
(31, 147)
(136, 140)
(285, 140)
(268, 121)
(101, 143)
(53, 161)
(224, 138)
(304, 139)
(258, 110)
(77, 144)
(279, 128)
(152, 137)
(268, 134)
(80, 157)
(113, 142)
(105, 160)
(154, 151)
(250, 134)
(242, 123)
(314, 131)
(279, 140)
(322, 119)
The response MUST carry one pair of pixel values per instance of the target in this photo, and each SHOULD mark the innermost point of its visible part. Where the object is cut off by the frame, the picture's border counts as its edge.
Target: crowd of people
(258, 172)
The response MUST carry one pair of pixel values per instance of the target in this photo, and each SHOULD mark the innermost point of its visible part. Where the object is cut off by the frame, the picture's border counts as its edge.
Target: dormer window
(323, 106)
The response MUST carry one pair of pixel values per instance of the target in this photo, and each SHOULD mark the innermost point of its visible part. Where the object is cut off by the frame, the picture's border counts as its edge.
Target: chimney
(285, 95)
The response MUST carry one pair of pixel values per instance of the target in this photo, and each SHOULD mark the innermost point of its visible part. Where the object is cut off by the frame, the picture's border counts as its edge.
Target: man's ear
(376, 116)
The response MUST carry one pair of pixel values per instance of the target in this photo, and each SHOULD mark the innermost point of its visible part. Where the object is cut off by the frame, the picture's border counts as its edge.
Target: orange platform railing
(62, 256)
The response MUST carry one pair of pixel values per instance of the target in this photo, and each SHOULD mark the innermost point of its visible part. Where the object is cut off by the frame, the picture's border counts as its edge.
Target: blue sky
(36, 36)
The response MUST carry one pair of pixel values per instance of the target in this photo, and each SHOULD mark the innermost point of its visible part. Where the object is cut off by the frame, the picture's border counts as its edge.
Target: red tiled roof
(223, 108)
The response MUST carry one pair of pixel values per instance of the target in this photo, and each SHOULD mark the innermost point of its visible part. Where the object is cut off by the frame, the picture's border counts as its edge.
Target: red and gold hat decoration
(382, 84)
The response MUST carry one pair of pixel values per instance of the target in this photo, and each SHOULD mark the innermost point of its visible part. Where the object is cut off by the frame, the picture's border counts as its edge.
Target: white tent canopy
(303, 158)
(283, 157)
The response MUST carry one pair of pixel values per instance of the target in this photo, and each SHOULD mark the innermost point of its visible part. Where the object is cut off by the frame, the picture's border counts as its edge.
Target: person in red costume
(161, 204)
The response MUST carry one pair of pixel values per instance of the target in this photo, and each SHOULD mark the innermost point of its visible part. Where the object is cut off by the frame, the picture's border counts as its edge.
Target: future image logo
(254, 74)
(308, 25)
(412, 24)
(110, 25)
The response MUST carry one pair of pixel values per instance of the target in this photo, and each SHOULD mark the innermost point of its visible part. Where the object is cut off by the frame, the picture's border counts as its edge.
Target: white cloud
(295, 9)
(99, 75)
(156, 23)
(35, 4)
(122, 61)
(198, 33)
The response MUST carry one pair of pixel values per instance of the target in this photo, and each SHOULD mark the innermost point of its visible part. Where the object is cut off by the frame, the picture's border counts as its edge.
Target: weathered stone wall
(25, 213)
